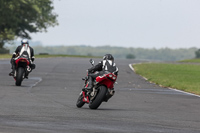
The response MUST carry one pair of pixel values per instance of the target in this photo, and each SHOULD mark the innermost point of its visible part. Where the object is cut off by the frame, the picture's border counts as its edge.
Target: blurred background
(165, 30)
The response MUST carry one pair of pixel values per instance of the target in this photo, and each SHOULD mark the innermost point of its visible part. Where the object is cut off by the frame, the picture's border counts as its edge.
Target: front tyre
(99, 98)
(19, 76)
(80, 102)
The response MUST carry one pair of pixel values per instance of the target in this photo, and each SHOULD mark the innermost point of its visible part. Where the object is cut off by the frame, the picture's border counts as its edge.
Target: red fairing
(100, 78)
(23, 60)
(85, 99)
(105, 79)
(109, 84)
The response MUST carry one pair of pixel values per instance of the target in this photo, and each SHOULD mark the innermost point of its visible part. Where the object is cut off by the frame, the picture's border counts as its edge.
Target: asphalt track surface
(46, 102)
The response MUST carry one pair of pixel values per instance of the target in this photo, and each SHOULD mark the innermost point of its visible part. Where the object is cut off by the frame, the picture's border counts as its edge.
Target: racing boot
(12, 72)
(26, 76)
(89, 87)
(28, 71)
(12, 61)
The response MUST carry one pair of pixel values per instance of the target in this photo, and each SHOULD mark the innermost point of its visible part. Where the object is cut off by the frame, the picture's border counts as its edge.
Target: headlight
(110, 75)
(113, 78)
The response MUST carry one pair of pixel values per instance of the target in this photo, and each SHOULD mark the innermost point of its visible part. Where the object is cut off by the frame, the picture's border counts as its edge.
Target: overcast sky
(127, 23)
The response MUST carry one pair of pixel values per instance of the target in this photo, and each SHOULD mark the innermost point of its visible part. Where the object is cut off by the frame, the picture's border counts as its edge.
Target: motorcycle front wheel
(80, 102)
(96, 102)
(19, 76)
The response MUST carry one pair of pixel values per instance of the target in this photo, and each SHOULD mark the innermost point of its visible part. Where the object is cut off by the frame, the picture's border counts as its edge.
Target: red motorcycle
(102, 90)
(22, 69)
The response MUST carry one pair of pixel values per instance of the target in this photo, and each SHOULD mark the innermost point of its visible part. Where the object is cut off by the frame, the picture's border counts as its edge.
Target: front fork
(87, 96)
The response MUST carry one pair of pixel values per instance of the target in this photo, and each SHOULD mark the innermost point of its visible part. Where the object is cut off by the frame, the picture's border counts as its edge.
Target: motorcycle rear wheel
(99, 98)
(80, 102)
(19, 76)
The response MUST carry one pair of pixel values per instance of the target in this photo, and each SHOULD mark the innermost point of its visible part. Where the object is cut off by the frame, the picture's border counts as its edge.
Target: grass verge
(184, 77)
(191, 61)
(5, 56)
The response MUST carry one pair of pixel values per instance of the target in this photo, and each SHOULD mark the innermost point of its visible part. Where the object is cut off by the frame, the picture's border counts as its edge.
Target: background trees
(130, 56)
(18, 18)
(163, 54)
(197, 53)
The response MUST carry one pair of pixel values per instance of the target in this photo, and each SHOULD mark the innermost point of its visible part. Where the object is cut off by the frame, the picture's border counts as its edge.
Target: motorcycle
(22, 69)
(102, 90)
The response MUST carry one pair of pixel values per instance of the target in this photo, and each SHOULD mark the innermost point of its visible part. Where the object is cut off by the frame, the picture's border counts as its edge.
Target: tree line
(162, 54)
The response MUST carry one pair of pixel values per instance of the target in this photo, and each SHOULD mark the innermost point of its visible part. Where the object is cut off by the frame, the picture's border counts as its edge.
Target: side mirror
(92, 61)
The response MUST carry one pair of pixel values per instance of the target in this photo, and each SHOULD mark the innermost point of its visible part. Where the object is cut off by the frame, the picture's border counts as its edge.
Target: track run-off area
(46, 102)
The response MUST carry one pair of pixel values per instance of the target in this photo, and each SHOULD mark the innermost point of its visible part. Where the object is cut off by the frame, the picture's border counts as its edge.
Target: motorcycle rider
(22, 49)
(107, 65)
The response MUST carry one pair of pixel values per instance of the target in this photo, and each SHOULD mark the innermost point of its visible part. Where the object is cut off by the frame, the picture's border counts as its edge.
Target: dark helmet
(24, 41)
(108, 57)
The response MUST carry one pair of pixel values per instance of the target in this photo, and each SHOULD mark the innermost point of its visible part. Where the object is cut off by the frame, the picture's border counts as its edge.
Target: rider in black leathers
(106, 65)
(18, 52)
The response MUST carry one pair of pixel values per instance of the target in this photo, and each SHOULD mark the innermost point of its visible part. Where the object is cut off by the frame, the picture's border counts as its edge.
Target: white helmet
(24, 41)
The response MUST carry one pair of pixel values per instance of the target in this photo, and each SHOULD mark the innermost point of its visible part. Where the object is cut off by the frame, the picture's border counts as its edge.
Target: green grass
(184, 77)
(7, 56)
(191, 60)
